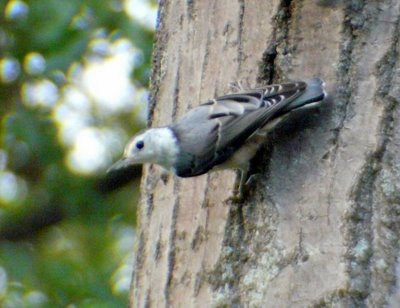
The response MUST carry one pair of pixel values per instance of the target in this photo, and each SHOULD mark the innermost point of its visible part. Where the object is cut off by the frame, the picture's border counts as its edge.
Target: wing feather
(211, 132)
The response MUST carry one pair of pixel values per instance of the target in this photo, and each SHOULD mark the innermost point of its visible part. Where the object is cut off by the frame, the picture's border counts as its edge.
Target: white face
(138, 149)
(156, 145)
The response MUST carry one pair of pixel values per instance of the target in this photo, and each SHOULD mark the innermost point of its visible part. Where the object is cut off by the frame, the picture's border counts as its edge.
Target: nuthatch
(225, 132)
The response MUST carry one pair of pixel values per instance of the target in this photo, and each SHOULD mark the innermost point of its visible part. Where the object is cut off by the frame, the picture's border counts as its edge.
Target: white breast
(165, 145)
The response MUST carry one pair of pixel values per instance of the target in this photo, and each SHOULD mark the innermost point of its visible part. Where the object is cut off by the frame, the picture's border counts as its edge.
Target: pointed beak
(123, 163)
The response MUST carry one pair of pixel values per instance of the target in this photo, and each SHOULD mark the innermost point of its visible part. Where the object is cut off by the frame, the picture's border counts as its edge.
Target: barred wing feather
(210, 133)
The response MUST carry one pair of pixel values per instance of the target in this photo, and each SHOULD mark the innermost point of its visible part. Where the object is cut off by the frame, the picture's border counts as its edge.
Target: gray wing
(210, 133)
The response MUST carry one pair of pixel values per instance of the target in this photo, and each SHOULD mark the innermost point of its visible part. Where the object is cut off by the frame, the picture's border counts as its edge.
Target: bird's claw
(239, 85)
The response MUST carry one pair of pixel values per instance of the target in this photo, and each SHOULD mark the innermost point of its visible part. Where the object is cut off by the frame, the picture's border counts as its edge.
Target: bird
(222, 133)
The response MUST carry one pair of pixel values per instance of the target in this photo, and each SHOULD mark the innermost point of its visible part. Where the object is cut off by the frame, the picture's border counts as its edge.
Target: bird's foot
(253, 177)
(239, 85)
(242, 189)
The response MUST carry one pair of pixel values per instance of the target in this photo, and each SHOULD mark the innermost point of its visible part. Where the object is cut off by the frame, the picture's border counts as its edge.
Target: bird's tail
(315, 92)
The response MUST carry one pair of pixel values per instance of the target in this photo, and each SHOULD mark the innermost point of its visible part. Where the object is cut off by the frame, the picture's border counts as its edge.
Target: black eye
(140, 144)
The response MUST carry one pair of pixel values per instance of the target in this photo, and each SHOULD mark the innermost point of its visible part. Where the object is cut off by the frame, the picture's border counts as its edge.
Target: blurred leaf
(63, 240)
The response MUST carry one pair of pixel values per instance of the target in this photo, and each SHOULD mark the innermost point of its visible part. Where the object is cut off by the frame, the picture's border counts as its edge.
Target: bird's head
(151, 146)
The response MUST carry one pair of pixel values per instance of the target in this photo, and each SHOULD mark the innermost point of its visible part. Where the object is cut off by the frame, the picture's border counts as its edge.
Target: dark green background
(68, 239)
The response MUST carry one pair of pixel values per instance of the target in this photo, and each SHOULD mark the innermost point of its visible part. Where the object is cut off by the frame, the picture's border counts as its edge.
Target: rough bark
(320, 226)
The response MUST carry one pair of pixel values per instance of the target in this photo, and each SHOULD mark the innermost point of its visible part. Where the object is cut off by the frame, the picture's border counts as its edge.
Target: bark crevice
(171, 260)
(158, 73)
(363, 215)
(346, 85)
(240, 35)
(269, 72)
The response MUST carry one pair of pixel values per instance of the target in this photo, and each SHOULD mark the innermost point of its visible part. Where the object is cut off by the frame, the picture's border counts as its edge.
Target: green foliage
(63, 238)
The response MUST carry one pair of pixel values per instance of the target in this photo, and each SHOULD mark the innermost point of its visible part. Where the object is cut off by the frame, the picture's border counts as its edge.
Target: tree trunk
(320, 225)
